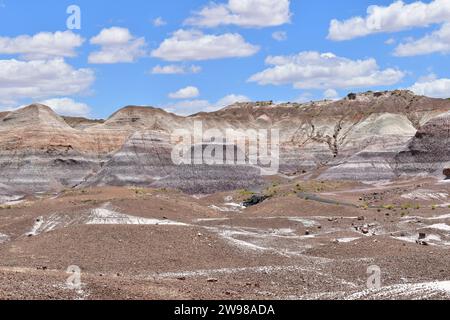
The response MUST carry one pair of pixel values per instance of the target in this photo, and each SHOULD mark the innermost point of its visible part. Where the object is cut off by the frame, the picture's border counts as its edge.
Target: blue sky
(278, 50)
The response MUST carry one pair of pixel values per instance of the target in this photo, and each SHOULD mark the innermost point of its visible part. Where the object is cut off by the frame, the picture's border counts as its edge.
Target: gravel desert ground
(301, 243)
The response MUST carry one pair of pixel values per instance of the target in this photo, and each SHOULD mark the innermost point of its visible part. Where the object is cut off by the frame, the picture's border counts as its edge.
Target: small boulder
(365, 229)
(447, 173)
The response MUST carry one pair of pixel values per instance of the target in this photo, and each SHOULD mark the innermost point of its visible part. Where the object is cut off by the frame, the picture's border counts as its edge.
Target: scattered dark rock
(422, 243)
(422, 235)
(378, 94)
(351, 96)
(447, 173)
(212, 280)
(66, 162)
(255, 200)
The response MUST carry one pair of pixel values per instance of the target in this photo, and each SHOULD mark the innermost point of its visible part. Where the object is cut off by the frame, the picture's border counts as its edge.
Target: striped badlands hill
(369, 136)
(41, 152)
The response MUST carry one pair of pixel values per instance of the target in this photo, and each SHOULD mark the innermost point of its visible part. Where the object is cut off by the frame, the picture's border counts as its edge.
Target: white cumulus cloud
(68, 107)
(280, 35)
(188, 107)
(118, 45)
(44, 45)
(436, 42)
(433, 87)
(331, 94)
(191, 45)
(244, 13)
(393, 18)
(314, 70)
(41, 79)
(159, 22)
(228, 100)
(389, 41)
(185, 93)
(175, 69)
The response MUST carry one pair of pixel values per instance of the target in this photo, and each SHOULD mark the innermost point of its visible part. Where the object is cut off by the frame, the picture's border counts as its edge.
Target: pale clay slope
(104, 215)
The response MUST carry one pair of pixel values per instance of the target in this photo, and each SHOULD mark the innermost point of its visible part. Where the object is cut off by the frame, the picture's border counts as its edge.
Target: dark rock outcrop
(255, 200)
(429, 150)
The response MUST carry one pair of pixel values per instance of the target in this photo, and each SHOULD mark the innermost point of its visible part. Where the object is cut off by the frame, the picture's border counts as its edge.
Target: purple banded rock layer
(429, 150)
(39, 152)
(145, 160)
